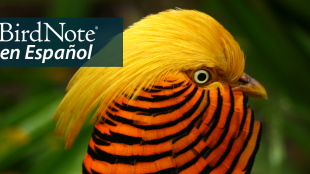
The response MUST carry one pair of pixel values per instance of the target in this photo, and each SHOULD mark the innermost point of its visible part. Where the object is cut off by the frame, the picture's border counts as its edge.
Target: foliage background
(274, 34)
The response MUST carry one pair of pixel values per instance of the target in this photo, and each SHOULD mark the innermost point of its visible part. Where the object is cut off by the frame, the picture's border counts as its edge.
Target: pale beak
(251, 87)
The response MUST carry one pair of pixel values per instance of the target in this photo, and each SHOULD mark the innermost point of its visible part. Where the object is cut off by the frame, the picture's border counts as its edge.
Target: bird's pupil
(202, 77)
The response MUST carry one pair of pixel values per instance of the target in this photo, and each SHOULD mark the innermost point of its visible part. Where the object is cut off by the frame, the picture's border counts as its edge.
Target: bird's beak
(251, 87)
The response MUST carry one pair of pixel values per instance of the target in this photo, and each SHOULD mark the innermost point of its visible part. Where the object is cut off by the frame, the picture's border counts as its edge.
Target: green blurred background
(275, 37)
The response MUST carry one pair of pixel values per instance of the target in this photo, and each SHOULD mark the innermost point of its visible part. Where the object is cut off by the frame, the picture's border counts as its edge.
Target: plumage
(154, 115)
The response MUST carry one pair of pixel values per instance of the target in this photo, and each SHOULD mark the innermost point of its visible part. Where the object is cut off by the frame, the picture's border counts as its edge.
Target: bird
(178, 105)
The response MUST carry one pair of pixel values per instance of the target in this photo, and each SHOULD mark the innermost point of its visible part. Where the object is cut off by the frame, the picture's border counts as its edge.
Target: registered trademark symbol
(96, 27)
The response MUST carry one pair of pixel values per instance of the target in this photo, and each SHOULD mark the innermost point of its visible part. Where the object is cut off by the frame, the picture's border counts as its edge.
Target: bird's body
(179, 104)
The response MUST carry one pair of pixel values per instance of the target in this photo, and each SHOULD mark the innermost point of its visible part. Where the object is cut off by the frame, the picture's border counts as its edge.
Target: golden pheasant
(179, 104)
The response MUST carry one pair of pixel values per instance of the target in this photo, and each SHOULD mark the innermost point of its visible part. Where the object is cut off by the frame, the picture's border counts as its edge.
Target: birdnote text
(36, 36)
(35, 42)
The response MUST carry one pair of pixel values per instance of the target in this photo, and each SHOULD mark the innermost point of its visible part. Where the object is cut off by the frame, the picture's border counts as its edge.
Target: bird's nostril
(244, 81)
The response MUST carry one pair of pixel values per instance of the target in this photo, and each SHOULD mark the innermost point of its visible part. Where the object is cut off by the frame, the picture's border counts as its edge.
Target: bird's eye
(201, 76)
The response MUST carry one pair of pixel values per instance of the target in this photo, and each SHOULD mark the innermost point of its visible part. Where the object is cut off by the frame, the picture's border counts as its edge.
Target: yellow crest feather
(173, 41)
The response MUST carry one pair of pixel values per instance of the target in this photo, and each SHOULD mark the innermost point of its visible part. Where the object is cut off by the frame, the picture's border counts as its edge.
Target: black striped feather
(179, 128)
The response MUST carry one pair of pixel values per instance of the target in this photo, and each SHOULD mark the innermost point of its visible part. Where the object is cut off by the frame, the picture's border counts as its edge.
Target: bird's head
(179, 43)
